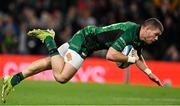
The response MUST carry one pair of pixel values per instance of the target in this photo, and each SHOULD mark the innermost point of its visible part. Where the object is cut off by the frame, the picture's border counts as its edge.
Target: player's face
(151, 35)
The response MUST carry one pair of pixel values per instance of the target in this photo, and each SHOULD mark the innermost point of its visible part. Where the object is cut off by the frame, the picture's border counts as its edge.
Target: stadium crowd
(68, 16)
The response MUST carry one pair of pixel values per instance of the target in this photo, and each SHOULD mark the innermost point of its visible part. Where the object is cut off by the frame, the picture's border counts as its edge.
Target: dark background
(66, 17)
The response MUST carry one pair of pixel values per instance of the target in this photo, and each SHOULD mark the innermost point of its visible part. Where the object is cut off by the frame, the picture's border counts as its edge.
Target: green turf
(52, 93)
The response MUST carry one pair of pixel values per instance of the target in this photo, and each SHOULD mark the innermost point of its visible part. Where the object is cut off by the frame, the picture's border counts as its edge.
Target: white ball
(128, 52)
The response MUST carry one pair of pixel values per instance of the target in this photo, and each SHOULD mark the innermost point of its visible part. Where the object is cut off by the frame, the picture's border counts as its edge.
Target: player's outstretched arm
(143, 67)
(155, 79)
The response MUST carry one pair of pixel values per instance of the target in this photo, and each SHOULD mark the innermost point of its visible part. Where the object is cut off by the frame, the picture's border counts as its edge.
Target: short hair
(153, 23)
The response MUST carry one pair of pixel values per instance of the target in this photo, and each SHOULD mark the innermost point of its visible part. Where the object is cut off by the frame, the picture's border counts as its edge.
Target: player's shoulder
(128, 25)
(131, 24)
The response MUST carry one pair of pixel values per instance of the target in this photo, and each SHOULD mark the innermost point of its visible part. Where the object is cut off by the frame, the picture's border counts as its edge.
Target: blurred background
(66, 17)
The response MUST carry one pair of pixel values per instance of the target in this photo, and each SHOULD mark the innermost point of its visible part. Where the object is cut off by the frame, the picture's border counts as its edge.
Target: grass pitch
(52, 93)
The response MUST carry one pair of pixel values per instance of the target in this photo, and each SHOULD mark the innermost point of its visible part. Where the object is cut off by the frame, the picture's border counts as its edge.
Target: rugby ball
(128, 52)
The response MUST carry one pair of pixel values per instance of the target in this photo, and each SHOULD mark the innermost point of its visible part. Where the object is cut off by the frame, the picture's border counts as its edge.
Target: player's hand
(155, 79)
(134, 54)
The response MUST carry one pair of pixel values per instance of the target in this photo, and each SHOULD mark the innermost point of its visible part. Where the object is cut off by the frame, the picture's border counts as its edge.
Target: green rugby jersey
(117, 36)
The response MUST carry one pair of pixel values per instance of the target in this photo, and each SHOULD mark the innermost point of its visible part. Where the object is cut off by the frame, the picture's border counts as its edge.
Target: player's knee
(61, 79)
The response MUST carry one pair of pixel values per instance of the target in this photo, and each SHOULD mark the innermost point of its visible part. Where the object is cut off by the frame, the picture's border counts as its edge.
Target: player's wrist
(131, 59)
(148, 71)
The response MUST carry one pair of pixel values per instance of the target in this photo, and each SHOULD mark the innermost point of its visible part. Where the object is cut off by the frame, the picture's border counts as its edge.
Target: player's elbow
(109, 56)
(111, 53)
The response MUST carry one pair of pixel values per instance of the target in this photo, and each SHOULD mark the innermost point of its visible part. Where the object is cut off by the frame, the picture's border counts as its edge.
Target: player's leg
(37, 67)
(34, 68)
(7, 85)
(72, 62)
(69, 61)
(57, 61)
(64, 75)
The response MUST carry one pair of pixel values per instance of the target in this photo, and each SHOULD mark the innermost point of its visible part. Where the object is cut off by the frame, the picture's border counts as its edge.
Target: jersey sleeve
(125, 39)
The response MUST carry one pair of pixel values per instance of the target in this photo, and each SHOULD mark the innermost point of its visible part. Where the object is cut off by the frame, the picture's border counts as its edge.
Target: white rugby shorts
(70, 56)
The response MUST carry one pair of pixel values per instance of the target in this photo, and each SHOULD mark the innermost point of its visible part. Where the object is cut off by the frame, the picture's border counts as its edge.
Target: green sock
(51, 45)
(16, 79)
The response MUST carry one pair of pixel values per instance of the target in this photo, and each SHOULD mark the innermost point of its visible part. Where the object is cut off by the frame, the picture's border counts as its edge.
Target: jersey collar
(138, 35)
